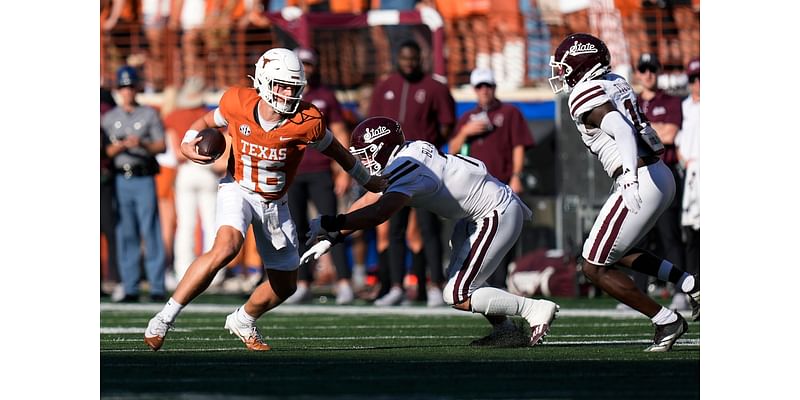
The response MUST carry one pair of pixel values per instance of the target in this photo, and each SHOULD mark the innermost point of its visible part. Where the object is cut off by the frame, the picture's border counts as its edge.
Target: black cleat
(694, 299)
(667, 334)
(504, 336)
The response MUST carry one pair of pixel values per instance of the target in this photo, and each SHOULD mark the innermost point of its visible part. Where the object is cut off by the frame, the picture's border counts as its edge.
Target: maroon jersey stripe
(481, 256)
(600, 234)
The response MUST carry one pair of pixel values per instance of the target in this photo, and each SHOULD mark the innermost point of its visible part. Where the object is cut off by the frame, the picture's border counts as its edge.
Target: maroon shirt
(420, 107)
(664, 108)
(331, 109)
(495, 147)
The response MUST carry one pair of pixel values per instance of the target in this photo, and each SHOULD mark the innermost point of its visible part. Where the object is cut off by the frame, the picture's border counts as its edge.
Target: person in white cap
(497, 134)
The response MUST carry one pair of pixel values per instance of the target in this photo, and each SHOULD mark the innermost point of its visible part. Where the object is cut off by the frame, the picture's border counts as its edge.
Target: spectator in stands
(320, 181)
(497, 134)
(155, 16)
(165, 185)
(136, 135)
(426, 109)
(221, 17)
(493, 36)
(254, 14)
(664, 113)
(108, 218)
(188, 17)
(688, 144)
(195, 184)
(388, 38)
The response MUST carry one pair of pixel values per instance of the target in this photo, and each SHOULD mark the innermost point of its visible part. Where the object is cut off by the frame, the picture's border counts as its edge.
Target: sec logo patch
(244, 129)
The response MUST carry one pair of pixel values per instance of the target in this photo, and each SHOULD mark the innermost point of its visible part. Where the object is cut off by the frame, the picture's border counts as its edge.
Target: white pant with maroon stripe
(616, 230)
(479, 246)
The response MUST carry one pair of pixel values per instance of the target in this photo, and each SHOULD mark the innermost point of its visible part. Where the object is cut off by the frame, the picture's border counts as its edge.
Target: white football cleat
(156, 331)
(249, 334)
(540, 316)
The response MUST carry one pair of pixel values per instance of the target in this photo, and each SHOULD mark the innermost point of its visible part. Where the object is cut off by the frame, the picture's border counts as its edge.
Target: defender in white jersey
(489, 219)
(603, 106)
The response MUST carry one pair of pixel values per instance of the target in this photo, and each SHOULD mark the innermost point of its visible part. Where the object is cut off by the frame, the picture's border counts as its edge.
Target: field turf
(363, 352)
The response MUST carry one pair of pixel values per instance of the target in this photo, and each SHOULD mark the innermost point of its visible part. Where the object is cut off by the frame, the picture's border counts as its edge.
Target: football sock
(664, 270)
(664, 316)
(493, 301)
(243, 317)
(171, 310)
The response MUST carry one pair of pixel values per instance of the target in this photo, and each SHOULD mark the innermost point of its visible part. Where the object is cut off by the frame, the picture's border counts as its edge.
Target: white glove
(314, 230)
(316, 251)
(630, 191)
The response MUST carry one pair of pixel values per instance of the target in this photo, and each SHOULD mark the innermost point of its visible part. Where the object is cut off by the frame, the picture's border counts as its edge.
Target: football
(212, 143)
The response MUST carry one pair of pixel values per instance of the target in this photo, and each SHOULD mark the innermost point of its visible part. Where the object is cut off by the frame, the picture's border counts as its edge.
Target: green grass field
(326, 351)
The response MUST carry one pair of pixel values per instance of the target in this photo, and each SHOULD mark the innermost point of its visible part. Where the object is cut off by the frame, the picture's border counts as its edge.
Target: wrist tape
(189, 136)
(359, 173)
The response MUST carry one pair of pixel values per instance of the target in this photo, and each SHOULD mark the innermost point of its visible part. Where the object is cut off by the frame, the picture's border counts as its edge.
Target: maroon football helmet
(580, 57)
(375, 141)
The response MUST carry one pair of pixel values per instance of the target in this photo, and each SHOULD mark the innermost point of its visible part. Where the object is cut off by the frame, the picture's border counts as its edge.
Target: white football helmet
(280, 66)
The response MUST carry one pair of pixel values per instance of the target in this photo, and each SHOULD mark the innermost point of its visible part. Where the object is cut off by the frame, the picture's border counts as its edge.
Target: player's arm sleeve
(623, 132)
(219, 119)
(376, 213)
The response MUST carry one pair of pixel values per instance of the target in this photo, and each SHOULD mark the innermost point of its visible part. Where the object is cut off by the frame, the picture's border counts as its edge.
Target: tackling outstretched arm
(368, 211)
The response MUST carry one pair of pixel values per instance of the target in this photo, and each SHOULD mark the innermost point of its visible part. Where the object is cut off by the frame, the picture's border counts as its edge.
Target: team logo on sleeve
(244, 129)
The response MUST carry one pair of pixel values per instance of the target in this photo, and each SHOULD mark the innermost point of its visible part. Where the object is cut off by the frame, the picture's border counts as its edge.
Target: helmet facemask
(559, 72)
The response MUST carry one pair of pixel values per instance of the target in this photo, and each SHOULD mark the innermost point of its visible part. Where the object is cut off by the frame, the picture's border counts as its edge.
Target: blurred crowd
(172, 40)
(157, 209)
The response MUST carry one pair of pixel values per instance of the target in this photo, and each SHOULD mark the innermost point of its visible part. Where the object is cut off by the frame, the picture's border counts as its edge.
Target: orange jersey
(266, 161)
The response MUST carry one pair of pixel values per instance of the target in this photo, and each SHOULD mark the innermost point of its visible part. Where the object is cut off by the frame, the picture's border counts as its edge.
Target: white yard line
(363, 310)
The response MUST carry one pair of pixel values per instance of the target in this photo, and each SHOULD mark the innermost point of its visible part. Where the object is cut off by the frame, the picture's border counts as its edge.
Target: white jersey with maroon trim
(452, 186)
(587, 96)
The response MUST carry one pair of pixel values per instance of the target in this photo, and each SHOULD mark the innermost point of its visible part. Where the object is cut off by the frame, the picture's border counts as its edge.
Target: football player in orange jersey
(270, 128)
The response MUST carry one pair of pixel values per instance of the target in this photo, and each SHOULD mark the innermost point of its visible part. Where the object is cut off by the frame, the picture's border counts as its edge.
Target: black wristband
(335, 237)
(331, 223)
